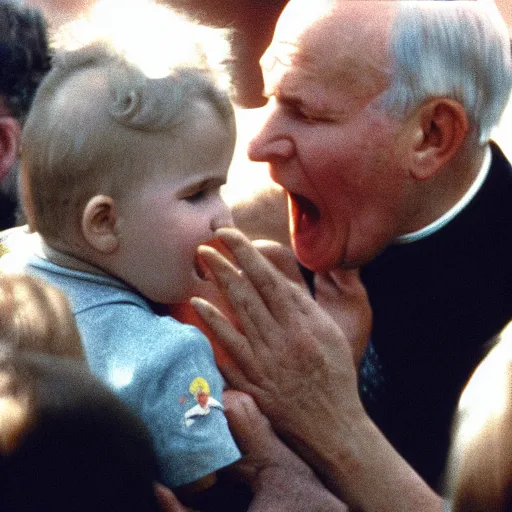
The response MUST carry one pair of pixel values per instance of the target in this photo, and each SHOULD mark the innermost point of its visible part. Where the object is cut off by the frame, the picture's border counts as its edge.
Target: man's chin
(315, 260)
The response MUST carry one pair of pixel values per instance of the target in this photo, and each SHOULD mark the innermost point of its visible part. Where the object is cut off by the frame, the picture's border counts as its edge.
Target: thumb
(247, 423)
(343, 296)
(340, 279)
(167, 500)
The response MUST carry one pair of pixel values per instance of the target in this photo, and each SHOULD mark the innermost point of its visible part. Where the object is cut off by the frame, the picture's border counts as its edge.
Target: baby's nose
(223, 220)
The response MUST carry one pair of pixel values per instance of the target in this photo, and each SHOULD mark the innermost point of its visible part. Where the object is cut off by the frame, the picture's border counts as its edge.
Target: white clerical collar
(454, 210)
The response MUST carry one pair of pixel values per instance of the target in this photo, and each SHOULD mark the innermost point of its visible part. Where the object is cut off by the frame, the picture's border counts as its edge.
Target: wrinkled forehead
(335, 41)
(294, 24)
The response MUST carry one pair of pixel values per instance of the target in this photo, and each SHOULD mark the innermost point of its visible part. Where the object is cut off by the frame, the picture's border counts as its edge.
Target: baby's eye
(196, 196)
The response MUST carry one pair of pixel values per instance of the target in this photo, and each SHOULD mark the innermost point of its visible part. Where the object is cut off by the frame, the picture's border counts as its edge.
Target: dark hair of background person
(25, 58)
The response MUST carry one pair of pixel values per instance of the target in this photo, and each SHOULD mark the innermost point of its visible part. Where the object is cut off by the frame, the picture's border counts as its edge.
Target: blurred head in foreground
(66, 442)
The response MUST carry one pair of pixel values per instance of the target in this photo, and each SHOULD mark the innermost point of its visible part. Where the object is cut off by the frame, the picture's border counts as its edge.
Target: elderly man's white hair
(459, 49)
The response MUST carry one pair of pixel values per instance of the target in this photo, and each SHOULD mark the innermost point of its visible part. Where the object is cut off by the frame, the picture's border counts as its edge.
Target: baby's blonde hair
(96, 121)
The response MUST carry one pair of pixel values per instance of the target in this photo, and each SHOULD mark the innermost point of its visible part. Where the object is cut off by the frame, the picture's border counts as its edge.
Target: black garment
(437, 302)
(8, 209)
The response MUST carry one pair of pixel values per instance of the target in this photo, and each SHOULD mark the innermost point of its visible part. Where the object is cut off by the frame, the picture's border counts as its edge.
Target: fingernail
(205, 249)
(200, 304)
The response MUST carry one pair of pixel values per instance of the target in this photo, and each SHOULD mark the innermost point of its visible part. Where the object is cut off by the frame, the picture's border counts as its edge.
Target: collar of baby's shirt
(69, 261)
(73, 264)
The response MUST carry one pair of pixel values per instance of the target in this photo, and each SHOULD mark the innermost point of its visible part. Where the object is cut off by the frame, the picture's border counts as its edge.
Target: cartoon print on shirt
(200, 389)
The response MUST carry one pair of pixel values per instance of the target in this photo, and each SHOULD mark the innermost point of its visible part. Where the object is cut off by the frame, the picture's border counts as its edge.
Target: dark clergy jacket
(437, 302)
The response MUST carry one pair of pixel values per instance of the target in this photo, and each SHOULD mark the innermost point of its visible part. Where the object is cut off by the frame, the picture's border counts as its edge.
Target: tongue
(304, 213)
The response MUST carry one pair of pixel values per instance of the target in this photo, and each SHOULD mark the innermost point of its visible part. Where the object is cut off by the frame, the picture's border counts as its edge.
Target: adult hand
(341, 294)
(279, 479)
(283, 259)
(338, 292)
(292, 357)
(297, 363)
(167, 500)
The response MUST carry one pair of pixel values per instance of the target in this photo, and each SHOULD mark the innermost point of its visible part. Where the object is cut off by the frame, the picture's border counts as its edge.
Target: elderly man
(379, 124)
(24, 60)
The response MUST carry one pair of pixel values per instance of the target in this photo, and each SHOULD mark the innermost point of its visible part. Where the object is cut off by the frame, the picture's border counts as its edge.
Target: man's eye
(303, 115)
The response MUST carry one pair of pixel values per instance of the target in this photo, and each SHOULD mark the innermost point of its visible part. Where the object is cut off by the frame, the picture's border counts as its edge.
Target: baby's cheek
(185, 313)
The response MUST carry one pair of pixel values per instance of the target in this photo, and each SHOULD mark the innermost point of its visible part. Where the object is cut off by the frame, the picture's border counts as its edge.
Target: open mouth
(304, 213)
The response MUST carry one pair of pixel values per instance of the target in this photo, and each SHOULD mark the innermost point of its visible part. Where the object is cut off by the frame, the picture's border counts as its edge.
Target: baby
(121, 177)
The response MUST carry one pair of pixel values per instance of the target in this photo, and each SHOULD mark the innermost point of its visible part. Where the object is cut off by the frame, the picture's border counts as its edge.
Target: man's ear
(10, 131)
(99, 220)
(440, 127)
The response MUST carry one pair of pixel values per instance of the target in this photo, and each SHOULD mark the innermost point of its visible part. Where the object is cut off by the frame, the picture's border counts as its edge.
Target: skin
(167, 500)
(287, 337)
(340, 293)
(10, 133)
(328, 146)
(506, 11)
(480, 465)
(356, 176)
(159, 225)
(290, 354)
(415, 505)
(280, 480)
(148, 236)
(58, 12)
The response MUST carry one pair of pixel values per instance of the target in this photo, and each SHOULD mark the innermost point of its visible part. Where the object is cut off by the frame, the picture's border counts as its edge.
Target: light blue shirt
(156, 365)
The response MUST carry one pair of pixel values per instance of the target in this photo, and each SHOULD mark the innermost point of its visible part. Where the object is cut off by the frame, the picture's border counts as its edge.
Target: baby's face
(166, 218)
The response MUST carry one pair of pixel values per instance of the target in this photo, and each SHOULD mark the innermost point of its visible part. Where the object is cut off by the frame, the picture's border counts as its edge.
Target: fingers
(280, 479)
(247, 424)
(231, 340)
(221, 326)
(344, 280)
(257, 439)
(342, 295)
(238, 348)
(167, 500)
(292, 356)
(283, 258)
(280, 295)
(247, 304)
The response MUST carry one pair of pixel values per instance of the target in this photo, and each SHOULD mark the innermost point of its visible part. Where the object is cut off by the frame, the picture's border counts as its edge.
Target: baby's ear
(99, 220)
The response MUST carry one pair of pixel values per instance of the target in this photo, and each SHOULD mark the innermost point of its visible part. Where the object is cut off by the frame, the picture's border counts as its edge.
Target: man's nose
(271, 144)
